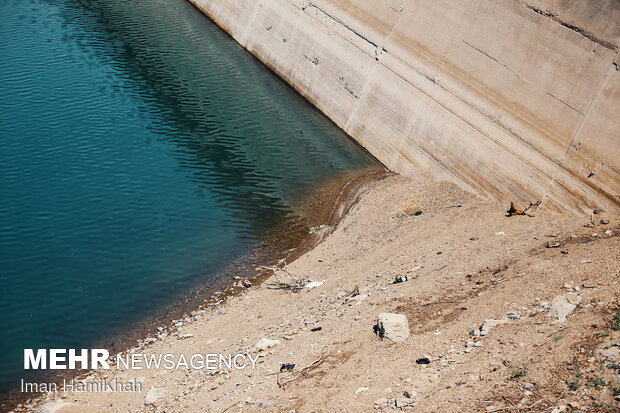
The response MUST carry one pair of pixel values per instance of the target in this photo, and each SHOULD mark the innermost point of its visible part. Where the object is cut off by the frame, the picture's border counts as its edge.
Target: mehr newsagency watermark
(99, 359)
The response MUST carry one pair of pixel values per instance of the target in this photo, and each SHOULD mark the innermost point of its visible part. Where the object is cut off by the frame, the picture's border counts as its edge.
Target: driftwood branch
(285, 280)
(301, 373)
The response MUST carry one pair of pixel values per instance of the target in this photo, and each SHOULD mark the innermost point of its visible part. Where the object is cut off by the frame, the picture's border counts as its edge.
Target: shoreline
(482, 296)
(325, 205)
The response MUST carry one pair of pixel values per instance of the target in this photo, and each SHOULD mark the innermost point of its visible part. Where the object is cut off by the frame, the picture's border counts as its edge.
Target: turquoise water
(141, 151)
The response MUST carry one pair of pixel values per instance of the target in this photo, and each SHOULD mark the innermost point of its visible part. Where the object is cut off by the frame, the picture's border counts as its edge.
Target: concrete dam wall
(513, 99)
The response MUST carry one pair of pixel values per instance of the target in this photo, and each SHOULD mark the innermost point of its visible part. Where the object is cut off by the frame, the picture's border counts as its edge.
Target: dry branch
(285, 280)
(301, 373)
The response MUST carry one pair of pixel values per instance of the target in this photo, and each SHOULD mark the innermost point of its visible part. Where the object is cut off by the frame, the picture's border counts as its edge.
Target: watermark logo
(99, 359)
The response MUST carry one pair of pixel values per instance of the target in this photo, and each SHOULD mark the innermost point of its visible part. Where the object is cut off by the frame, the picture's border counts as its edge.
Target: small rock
(585, 262)
(560, 308)
(154, 395)
(528, 385)
(487, 325)
(610, 354)
(266, 405)
(512, 315)
(358, 299)
(573, 298)
(381, 401)
(423, 360)
(404, 402)
(287, 367)
(52, 406)
(410, 393)
(361, 390)
(264, 344)
(394, 327)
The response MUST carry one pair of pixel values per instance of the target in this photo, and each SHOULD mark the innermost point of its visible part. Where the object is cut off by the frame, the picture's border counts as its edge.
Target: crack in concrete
(583, 32)
(342, 23)
(490, 57)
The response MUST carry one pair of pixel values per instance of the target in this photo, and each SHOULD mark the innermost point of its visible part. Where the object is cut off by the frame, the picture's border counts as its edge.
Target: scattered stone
(552, 244)
(394, 327)
(53, 406)
(183, 336)
(586, 261)
(381, 401)
(528, 385)
(573, 298)
(264, 344)
(266, 405)
(358, 299)
(404, 402)
(512, 315)
(316, 328)
(410, 393)
(487, 325)
(560, 308)
(154, 395)
(287, 367)
(361, 390)
(609, 353)
(423, 360)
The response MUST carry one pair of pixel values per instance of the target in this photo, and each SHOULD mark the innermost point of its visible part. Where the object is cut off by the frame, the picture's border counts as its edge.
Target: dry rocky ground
(465, 262)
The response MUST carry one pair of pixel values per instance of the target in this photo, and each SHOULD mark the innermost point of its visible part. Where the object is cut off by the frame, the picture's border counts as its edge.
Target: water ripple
(142, 150)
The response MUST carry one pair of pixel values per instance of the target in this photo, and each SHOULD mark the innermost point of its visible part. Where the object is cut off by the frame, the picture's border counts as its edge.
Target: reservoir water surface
(142, 150)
